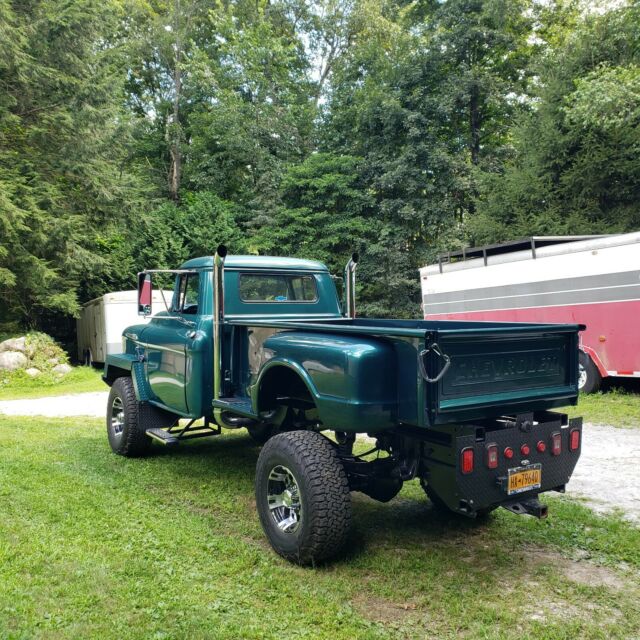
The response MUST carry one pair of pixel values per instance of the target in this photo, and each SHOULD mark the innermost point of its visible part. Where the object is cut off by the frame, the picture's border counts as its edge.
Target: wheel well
(116, 372)
(282, 382)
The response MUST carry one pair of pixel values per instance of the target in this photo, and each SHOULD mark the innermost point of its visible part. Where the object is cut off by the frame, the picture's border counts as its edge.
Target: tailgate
(498, 371)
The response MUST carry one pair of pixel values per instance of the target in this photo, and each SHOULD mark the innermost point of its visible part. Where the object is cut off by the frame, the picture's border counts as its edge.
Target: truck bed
(496, 368)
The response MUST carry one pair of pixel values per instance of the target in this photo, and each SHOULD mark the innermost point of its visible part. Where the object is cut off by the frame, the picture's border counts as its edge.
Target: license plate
(524, 478)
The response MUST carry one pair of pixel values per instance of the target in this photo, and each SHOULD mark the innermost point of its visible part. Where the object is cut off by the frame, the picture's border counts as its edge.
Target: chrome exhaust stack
(218, 318)
(350, 287)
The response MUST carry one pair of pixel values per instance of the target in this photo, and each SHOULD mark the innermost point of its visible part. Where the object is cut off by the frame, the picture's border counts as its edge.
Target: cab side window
(188, 291)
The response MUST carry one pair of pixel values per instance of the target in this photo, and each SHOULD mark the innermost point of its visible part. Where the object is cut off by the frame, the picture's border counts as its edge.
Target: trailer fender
(596, 360)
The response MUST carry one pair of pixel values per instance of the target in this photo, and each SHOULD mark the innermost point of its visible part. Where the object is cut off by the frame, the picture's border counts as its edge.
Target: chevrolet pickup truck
(267, 344)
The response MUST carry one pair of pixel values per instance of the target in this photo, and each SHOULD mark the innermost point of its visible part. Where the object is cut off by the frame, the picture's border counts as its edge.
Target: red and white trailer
(591, 280)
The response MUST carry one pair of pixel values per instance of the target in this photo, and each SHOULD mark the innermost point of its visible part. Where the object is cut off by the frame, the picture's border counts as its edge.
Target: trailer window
(277, 288)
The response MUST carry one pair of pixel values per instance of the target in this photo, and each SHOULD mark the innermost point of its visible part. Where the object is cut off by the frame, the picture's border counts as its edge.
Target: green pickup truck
(266, 344)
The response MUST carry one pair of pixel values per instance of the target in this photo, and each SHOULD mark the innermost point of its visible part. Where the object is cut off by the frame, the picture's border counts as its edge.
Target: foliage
(575, 167)
(140, 133)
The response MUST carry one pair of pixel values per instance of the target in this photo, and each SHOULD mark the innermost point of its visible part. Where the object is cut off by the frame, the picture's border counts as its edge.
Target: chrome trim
(117, 416)
(350, 286)
(283, 497)
(218, 318)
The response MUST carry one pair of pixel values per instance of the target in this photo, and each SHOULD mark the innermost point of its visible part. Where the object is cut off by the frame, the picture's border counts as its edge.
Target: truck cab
(267, 344)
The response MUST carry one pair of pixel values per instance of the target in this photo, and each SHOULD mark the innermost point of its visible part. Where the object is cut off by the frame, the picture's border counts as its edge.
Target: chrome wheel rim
(117, 416)
(582, 376)
(283, 496)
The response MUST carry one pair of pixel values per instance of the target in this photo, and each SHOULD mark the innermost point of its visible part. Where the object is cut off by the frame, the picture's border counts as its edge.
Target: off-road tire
(594, 379)
(324, 491)
(132, 441)
(440, 505)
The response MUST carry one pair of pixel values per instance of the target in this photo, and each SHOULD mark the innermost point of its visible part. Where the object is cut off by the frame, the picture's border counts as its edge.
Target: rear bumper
(485, 488)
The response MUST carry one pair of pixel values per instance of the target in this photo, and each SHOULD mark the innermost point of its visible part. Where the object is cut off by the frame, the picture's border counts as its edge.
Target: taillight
(508, 453)
(556, 444)
(466, 460)
(525, 450)
(541, 447)
(574, 439)
(492, 456)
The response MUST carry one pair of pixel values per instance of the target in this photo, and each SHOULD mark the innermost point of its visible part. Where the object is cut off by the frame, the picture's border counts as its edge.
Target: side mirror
(145, 294)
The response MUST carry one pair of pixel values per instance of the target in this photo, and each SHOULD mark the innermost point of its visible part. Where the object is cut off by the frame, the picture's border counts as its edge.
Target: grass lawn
(81, 379)
(620, 408)
(97, 546)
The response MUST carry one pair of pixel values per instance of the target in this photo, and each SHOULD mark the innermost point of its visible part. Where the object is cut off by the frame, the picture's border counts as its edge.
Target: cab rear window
(277, 288)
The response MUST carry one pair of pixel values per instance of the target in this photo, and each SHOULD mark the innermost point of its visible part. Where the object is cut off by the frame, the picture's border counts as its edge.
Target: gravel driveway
(80, 404)
(607, 475)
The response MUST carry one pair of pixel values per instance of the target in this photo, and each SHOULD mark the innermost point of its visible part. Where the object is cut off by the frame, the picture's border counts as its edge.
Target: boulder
(14, 344)
(62, 369)
(12, 360)
(32, 372)
(53, 361)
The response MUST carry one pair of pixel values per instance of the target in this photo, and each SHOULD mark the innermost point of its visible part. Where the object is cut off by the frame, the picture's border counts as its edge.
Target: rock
(53, 361)
(32, 372)
(62, 369)
(14, 344)
(12, 360)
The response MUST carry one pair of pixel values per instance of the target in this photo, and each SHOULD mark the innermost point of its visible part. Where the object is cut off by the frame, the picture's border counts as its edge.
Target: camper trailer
(102, 321)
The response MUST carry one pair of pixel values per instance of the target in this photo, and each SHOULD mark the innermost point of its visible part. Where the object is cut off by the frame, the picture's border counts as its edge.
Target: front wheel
(125, 428)
(302, 496)
(589, 378)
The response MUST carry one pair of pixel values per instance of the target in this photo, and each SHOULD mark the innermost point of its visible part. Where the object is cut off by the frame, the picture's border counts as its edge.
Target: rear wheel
(126, 431)
(589, 378)
(302, 496)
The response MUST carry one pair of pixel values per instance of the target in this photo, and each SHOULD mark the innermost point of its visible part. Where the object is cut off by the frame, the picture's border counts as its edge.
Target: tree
(63, 147)
(575, 167)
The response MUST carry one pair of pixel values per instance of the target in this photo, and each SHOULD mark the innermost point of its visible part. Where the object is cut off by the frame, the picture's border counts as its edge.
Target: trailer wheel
(302, 496)
(589, 378)
(125, 429)
(440, 505)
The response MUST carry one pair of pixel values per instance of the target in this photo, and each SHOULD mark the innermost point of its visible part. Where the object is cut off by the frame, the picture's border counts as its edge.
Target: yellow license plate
(524, 479)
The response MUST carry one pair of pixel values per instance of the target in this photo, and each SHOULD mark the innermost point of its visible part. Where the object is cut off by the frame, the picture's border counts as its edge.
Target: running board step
(241, 406)
(173, 437)
(162, 435)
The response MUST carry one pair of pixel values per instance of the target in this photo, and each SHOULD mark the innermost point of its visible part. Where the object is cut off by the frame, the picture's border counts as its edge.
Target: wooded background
(138, 133)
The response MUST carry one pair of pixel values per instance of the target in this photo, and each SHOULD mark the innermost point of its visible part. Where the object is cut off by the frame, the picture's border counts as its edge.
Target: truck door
(166, 339)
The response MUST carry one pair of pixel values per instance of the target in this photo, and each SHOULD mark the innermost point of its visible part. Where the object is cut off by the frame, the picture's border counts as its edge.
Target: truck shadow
(228, 463)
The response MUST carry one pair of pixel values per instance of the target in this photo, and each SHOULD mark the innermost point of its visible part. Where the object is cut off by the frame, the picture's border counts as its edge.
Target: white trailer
(102, 321)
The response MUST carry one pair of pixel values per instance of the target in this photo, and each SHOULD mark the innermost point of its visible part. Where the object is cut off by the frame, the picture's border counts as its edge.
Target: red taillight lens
(466, 460)
(492, 456)
(525, 450)
(556, 444)
(508, 453)
(541, 447)
(574, 439)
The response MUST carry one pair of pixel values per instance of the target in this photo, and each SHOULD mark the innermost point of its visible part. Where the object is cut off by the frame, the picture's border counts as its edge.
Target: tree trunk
(474, 124)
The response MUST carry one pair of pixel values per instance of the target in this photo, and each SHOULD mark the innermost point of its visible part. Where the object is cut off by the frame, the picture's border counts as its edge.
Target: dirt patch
(381, 610)
(582, 572)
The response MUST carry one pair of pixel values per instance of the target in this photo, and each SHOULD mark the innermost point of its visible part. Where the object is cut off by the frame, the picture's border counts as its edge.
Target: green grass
(18, 384)
(93, 545)
(616, 407)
